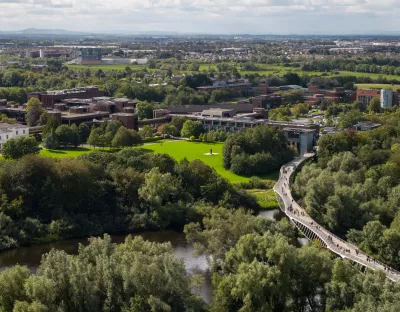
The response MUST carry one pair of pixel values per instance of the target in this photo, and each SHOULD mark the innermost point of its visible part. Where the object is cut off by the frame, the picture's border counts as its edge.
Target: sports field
(198, 150)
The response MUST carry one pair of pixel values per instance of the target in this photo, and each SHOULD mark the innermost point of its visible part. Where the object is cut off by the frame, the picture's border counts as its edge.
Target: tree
(168, 129)
(146, 132)
(112, 127)
(51, 141)
(96, 138)
(84, 132)
(12, 282)
(159, 188)
(178, 122)
(292, 96)
(145, 110)
(256, 151)
(349, 119)
(76, 137)
(192, 128)
(51, 126)
(374, 105)
(135, 276)
(34, 110)
(219, 232)
(65, 135)
(135, 137)
(123, 138)
(18, 147)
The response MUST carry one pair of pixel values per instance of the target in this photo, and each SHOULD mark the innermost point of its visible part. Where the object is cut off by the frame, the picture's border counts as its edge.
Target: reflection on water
(31, 256)
(275, 214)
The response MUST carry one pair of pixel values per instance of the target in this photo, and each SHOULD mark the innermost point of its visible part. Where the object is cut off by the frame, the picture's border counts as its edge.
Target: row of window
(16, 132)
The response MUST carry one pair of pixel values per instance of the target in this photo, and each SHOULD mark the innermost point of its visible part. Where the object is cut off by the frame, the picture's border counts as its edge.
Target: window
(23, 131)
(16, 132)
(7, 136)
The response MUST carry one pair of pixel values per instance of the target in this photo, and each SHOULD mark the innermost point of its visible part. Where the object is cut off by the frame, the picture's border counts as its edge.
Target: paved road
(305, 223)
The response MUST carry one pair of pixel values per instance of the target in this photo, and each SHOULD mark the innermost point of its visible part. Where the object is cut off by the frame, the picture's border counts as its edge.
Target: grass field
(266, 70)
(197, 150)
(108, 67)
(266, 198)
(377, 86)
(66, 152)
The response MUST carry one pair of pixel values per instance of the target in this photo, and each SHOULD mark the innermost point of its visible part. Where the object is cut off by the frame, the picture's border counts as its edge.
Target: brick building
(266, 101)
(49, 98)
(387, 98)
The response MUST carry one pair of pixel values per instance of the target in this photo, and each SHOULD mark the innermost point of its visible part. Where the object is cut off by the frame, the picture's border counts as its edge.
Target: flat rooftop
(71, 116)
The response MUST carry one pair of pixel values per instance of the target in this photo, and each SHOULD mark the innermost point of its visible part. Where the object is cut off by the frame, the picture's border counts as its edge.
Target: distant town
(199, 172)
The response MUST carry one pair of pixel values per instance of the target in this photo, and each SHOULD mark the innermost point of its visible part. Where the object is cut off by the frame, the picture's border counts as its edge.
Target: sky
(204, 16)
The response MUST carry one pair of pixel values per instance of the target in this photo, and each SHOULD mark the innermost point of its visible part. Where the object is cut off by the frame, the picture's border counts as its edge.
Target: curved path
(312, 230)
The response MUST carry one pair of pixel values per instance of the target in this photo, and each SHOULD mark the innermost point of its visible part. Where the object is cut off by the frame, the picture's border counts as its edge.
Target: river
(31, 256)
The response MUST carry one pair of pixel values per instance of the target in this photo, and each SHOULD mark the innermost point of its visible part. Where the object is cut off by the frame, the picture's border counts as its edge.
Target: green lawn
(197, 150)
(266, 198)
(177, 150)
(265, 69)
(67, 152)
(363, 86)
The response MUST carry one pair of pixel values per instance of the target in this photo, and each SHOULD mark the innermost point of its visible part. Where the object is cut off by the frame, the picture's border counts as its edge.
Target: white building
(9, 131)
(386, 98)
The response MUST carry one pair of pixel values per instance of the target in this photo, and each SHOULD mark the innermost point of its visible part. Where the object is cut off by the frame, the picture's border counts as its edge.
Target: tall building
(386, 98)
(90, 56)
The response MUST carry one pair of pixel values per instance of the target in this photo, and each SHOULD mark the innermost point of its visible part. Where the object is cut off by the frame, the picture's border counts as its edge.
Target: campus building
(90, 56)
(267, 101)
(49, 98)
(242, 89)
(387, 98)
(302, 136)
(10, 131)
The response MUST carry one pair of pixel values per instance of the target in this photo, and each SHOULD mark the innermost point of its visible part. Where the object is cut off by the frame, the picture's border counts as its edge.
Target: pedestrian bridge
(313, 231)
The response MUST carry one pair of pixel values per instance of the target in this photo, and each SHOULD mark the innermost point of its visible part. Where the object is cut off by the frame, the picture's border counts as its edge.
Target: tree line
(100, 192)
(256, 151)
(255, 267)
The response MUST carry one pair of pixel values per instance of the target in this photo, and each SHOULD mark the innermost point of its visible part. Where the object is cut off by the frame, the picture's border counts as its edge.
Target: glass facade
(91, 54)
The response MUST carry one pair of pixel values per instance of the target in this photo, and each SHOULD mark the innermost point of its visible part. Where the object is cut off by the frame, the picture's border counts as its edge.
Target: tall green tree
(192, 128)
(374, 105)
(34, 110)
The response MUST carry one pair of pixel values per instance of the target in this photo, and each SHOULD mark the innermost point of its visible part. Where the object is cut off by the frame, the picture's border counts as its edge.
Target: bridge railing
(328, 237)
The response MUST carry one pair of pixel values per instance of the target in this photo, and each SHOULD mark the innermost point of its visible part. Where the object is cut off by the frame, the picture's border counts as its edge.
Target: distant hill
(37, 31)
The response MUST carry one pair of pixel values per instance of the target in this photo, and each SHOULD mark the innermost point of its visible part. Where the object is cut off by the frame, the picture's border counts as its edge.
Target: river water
(31, 256)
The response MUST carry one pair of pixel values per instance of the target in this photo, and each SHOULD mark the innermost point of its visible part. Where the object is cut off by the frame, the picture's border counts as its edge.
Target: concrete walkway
(312, 230)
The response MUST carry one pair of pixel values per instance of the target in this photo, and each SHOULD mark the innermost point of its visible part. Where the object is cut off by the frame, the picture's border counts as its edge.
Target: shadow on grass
(147, 150)
(65, 150)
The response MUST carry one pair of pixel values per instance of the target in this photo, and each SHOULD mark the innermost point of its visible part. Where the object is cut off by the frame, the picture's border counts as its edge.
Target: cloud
(217, 16)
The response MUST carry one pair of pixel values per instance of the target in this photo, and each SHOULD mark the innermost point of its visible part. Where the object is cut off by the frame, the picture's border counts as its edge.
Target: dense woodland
(256, 267)
(44, 199)
(256, 151)
(353, 188)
